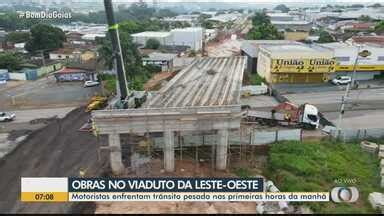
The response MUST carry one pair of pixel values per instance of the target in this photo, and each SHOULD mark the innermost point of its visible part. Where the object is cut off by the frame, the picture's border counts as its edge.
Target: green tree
(365, 18)
(325, 37)
(131, 27)
(45, 37)
(376, 5)
(357, 6)
(165, 13)
(208, 24)
(10, 61)
(17, 37)
(260, 18)
(152, 44)
(282, 7)
(379, 28)
(262, 29)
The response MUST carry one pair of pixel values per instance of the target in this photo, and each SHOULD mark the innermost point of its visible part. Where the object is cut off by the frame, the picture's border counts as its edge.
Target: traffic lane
(28, 115)
(306, 88)
(332, 97)
(26, 86)
(47, 93)
(62, 93)
(324, 87)
(358, 119)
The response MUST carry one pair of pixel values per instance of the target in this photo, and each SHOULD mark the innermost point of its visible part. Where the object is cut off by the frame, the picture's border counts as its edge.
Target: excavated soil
(57, 150)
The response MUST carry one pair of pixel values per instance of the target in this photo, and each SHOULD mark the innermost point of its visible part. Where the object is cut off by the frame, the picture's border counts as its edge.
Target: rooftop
(292, 22)
(279, 15)
(302, 48)
(205, 82)
(251, 46)
(156, 56)
(65, 51)
(369, 39)
(335, 45)
(151, 34)
(71, 70)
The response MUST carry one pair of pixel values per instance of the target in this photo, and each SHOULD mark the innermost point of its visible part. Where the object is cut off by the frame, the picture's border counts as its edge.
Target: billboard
(315, 65)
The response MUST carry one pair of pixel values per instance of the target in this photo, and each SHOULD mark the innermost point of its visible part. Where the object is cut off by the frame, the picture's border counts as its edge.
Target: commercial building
(74, 74)
(191, 37)
(223, 18)
(250, 48)
(287, 61)
(164, 60)
(141, 38)
(281, 16)
(295, 63)
(367, 39)
(346, 54)
(64, 54)
(295, 25)
(296, 35)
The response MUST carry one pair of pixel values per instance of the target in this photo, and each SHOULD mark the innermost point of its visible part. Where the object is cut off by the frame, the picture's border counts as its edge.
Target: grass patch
(315, 166)
(253, 79)
(109, 83)
(243, 172)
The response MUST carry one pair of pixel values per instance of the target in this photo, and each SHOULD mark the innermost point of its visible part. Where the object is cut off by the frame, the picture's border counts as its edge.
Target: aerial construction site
(241, 108)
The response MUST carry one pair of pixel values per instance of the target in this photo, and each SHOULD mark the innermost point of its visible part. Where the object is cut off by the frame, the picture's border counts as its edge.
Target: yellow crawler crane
(96, 102)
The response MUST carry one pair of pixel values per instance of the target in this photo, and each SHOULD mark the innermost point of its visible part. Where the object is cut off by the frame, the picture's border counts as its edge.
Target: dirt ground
(176, 207)
(57, 150)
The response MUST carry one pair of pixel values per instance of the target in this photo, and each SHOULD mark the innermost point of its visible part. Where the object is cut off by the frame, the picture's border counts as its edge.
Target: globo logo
(344, 194)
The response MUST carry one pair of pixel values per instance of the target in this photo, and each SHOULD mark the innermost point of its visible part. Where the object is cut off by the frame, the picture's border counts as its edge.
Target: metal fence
(266, 137)
(251, 137)
(357, 134)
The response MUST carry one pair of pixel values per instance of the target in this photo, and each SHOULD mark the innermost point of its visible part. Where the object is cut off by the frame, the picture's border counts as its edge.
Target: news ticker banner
(156, 189)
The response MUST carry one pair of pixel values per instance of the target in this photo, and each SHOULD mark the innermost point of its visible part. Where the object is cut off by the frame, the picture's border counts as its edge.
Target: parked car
(342, 80)
(90, 83)
(4, 117)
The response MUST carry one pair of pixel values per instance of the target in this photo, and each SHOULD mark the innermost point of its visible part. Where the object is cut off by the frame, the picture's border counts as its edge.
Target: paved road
(358, 119)
(46, 92)
(331, 97)
(28, 115)
(323, 87)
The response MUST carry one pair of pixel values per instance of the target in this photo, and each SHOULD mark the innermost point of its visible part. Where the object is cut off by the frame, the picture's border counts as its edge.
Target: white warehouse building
(141, 38)
(345, 56)
(191, 37)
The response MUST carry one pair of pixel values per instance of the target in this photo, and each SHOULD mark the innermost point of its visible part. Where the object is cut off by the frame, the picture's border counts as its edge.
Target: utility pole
(363, 54)
(117, 54)
(343, 101)
(354, 67)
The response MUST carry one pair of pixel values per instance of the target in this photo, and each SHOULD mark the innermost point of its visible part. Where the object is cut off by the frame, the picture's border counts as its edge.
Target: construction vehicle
(95, 103)
(286, 114)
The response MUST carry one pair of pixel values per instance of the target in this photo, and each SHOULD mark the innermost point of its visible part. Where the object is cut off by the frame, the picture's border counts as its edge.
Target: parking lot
(45, 92)
(43, 101)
